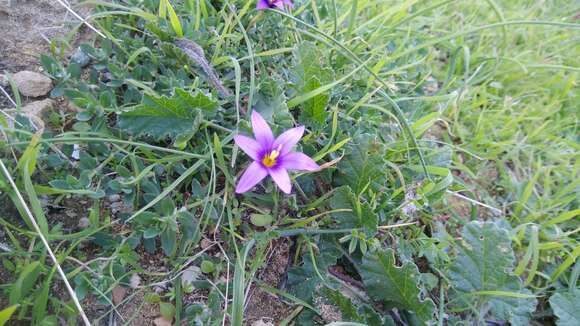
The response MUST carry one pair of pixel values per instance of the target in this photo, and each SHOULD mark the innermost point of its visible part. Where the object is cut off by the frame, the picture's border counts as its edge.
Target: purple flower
(271, 156)
(266, 4)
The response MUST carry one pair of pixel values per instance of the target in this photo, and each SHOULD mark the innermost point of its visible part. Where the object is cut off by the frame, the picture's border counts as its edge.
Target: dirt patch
(67, 213)
(27, 28)
(138, 312)
(263, 305)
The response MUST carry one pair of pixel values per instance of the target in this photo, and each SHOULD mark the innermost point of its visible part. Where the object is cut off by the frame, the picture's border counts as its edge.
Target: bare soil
(27, 28)
(263, 305)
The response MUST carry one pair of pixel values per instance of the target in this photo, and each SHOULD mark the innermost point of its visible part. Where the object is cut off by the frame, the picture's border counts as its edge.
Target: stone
(135, 281)
(38, 108)
(6, 6)
(84, 223)
(205, 243)
(32, 84)
(118, 294)
(160, 321)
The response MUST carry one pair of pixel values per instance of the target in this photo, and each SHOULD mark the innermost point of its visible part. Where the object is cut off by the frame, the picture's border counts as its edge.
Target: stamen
(269, 160)
(274, 155)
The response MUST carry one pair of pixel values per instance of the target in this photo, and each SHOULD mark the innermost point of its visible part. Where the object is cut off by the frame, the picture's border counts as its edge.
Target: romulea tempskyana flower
(268, 4)
(271, 156)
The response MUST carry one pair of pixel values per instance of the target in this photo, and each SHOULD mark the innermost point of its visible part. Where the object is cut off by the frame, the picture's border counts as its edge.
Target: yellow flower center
(269, 159)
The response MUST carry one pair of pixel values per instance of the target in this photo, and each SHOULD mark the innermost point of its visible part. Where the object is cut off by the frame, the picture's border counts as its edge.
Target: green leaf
(353, 214)
(168, 241)
(309, 63)
(161, 117)
(30, 155)
(484, 268)
(5, 314)
(167, 310)
(303, 280)
(566, 307)
(353, 311)
(270, 102)
(261, 219)
(25, 282)
(174, 20)
(395, 286)
(310, 75)
(41, 301)
(362, 167)
(207, 266)
(163, 8)
(313, 111)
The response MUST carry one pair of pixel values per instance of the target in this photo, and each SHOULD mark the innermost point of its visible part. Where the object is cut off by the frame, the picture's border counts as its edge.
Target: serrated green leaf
(310, 75)
(566, 307)
(485, 266)
(360, 215)
(164, 116)
(313, 111)
(361, 168)
(395, 286)
(303, 280)
(355, 311)
(309, 63)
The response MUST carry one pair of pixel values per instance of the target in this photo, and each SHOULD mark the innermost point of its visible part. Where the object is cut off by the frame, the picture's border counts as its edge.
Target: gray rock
(32, 84)
(35, 111)
(8, 3)
(38, 108)
(5, 6)
(84, 223)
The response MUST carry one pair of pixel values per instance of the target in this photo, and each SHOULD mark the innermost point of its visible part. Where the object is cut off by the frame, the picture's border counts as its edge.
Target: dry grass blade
(195, 53)
(79, 17)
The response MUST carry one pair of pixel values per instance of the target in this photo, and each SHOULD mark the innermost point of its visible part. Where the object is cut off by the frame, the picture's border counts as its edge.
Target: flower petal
(262, 131)
(249, 146)
(280, 176)
(288, 139)
(253, 174)
(298, 161)
(279, 4)
(262, 5)
(289, 3)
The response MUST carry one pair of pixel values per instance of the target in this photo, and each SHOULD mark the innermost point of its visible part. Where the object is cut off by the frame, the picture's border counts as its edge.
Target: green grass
(449, 131)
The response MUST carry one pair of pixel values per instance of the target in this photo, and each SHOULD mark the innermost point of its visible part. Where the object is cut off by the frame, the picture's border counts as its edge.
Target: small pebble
(84, 223)
(32, 84)
(135, 281)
